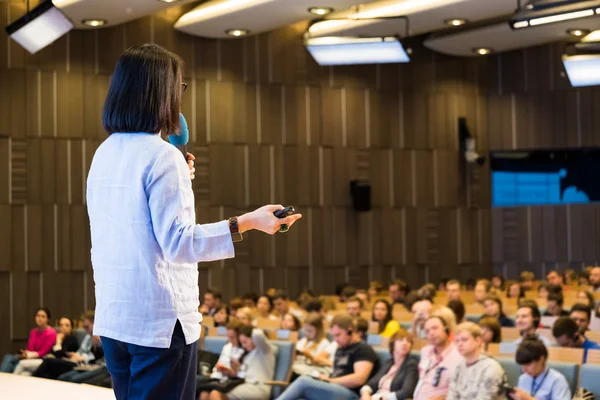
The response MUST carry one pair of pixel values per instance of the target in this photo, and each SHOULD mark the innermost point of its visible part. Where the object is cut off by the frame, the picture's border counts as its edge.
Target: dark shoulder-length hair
(145, 92)
(388, 314)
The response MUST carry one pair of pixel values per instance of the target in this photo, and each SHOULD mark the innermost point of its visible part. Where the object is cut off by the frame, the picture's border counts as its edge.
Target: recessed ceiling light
(455, 22)
(94, 22)
(237, 32)
(483, 51)
(578, 32)
(320, 10)
(168, 1)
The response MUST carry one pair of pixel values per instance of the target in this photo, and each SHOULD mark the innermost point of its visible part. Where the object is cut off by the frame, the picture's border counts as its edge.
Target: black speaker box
(361, 195)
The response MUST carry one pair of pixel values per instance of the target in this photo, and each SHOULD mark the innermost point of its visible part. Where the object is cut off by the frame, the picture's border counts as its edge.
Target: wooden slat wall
(267, 125)
(532, 106)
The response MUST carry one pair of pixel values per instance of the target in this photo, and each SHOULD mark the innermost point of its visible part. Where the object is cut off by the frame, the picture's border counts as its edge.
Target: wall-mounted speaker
(361, 195)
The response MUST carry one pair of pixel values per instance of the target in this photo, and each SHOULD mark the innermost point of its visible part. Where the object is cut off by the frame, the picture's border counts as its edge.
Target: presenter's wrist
(245, 223)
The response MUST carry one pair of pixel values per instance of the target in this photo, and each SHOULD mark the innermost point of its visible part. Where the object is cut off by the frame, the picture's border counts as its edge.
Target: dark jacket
(506, 322)
(69, 344)
(404, 381)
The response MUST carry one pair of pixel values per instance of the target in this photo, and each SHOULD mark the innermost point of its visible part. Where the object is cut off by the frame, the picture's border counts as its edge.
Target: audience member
(527, 322)
(375, 288)
(543, 290)
(89, 350)
(234, 304)
(482, 290)
(585, 297)
(221, 317)
(438, 361)
(470, 284)
(421, 311)
(458, 308)
(282, 305)
(245, 316)
(41, 340)
(398, 291)
(493, 309)
(498, 282)
(397, 378)
(212, 302)
(249, 300)
(340, 287)
(582, 315)
(382, 314)
(453, 290)
(584, 277)
(538, 381)
(256, 367)
(354, 363)
(312, 348)
(427, 292)
(491, 331)
(305, 296)
(566, 333)
(290, 322)
(232, 351)
(347, 293)
(555, 278)
(527, 280)
(362, 328)
(570, 277)
(365, 297)
(595, 279)
(448, 316)
(555, 306)
(65, 342)
(442, 284)
(515, 291)
(354, 306)
(264, 307)
(476, 376)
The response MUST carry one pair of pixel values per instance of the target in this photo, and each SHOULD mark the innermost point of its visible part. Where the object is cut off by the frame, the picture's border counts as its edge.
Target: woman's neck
(399, 359)
(42, 328)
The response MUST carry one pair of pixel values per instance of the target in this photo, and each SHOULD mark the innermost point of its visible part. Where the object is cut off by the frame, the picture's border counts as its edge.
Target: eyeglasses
(184, 85)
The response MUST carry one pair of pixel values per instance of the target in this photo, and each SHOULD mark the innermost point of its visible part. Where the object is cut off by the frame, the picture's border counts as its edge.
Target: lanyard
(534, 389)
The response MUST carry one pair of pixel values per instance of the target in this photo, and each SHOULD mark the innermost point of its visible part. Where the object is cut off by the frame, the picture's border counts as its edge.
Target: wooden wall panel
(5, 170)
(332, 117)
(5, 238)
(34, 237)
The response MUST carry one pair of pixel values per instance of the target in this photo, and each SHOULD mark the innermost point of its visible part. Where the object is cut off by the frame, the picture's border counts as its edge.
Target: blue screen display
(545, 177)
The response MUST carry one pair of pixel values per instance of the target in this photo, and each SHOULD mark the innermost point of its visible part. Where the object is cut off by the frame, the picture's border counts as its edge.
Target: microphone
(180, 141)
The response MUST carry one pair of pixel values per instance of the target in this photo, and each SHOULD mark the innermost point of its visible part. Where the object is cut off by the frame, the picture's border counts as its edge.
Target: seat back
(214, 344)
(79, 334)
(589, 378)
(383, 354)
(286, 354)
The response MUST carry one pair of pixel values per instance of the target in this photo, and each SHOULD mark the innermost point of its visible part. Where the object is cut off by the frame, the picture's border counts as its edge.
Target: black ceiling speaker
(361, 195)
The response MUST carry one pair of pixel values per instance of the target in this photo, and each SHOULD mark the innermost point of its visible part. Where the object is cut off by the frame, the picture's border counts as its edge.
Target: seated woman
(264, 307)
(543, 290)
(515, 291)
(290, 322)
(256, 366)
(231, 352)
(585, 297)
(382, 313)
(312, 349)
(41, 340)
(398, 377)
(491, 331)
(493, 308)
(65, 342)
(244, 315)
(221, 316)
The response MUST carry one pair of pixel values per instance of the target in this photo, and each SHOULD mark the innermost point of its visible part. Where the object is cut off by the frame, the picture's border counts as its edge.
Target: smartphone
(508, 389)
(285, 212)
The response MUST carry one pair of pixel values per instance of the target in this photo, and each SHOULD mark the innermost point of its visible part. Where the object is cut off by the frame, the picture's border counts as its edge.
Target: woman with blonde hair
(447, 315)
(312, 348)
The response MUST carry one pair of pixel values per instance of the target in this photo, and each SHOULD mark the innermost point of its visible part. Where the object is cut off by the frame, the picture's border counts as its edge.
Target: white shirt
(305, 344)
(227, 354)
(145, 241)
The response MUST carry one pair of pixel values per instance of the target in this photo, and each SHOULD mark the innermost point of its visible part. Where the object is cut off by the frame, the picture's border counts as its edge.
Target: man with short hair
(354, 307)
(398, 290)
(527, 321)
(482, 290)
(438, 361)
(566, 333)
(476, 376)
(354, 363)
(281, 304)
(555, 278)
(527, 279)
(595, 279)
(555, 306)
(453, 290)
(582, 315)
(212, 302)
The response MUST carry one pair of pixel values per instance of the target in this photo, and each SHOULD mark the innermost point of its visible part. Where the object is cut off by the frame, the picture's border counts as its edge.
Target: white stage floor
(16, 387)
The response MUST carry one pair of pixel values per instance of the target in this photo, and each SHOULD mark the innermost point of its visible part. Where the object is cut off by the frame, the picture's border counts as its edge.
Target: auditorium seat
(589, 378)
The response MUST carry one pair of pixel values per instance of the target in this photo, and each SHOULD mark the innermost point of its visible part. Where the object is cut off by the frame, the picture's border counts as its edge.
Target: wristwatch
(236, 236)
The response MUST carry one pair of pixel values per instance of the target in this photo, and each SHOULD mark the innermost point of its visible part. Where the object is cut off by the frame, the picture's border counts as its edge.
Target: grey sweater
(259, 365)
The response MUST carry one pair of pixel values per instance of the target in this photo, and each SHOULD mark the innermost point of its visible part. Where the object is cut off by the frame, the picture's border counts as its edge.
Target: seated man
(438, 361)
(354, 306)
(582, 315)
(567, 334)
(538, 380)
(477, 376)
(527, 321)
(555, 306)
(353, 365)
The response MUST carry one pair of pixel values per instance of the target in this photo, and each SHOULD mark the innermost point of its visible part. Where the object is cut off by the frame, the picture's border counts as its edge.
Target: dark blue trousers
(148, 373)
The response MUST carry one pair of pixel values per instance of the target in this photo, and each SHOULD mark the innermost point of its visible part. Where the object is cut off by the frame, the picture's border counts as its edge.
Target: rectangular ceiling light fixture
(40, 27)
(352, 50)
(543, 12)
(583, 69)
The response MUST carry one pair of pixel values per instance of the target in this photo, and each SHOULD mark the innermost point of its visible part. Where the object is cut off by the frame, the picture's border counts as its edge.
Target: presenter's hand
(190, 162)
(263, 220)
